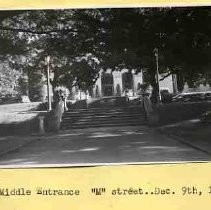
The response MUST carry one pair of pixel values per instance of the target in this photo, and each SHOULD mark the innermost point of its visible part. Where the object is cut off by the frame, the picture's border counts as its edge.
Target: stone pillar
(175, 86)
(117, 81)
(138, 78)
(98, 85)
(151, 112)
(41, 125)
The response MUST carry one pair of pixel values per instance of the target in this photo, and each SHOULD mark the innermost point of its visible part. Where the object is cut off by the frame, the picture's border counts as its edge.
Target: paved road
(101, 146)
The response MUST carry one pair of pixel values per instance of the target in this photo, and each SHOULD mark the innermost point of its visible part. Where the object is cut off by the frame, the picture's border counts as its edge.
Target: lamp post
(157, 73)
(48, 83)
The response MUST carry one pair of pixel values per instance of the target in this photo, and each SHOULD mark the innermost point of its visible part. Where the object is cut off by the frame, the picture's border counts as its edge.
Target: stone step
(104, 115)
(81, 126)
(106, 109)
(104, 120)
(103, 112)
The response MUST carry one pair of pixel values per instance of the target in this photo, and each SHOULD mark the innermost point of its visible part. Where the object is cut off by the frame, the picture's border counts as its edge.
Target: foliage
(81, 42)
(9, 81)
(62, 91)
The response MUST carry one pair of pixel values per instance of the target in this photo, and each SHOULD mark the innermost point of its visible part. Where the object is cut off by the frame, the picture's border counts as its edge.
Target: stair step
(99, 125)
(103, 110)
(103, 120)
(68, 117)
(103, 113)
(103, 117)
(81, 121)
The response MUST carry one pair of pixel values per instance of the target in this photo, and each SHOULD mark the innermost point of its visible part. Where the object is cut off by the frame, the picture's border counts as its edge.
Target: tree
(61, 34)
(183, 42)
(8, 80)
(81, 42)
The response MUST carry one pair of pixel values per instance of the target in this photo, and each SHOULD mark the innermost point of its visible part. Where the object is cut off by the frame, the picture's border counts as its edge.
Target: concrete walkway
(191, 132)
(100, 146)
(13, 143)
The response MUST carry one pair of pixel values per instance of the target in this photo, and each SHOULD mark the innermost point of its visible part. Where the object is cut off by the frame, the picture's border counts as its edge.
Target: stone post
(41, 125)
(151, 112)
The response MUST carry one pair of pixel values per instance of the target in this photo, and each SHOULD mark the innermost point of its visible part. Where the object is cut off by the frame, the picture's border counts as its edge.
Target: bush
(44, 106)
(166, 97)
(62, 91)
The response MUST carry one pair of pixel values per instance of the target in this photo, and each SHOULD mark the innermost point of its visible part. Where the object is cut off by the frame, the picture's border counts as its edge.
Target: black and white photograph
(105, 86)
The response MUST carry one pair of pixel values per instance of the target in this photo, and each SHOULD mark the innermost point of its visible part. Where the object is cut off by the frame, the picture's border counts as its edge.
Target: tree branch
(161, 79)
(2, 28)
(173, 71)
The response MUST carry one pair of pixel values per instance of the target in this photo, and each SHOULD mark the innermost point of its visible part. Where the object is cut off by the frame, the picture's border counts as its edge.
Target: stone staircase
(132, 115)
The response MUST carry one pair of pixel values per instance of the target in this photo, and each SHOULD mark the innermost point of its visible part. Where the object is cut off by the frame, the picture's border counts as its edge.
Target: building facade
(115, 83)
(118, 83)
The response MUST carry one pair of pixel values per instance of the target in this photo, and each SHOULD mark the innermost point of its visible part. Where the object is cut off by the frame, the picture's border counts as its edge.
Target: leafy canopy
(81, 42)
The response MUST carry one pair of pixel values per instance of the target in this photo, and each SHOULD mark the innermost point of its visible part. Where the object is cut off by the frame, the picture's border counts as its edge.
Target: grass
(18, 112)
(18, 118)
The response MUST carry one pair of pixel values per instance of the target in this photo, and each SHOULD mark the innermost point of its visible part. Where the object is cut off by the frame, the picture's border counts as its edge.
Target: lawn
(18, 112)
(18, 118)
